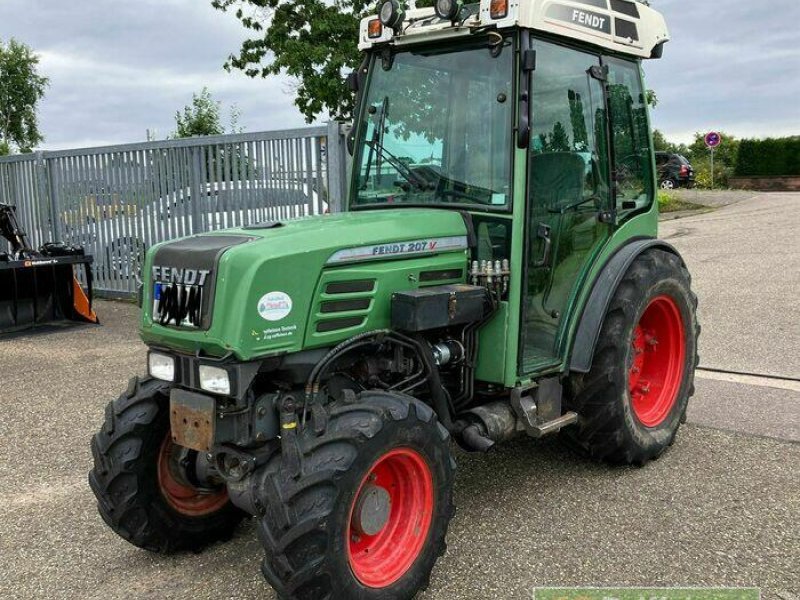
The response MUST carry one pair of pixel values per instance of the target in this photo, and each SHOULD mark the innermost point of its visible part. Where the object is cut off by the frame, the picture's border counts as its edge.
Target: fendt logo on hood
(180, 276)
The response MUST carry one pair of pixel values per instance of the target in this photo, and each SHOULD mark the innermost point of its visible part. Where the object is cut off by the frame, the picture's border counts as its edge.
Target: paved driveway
(722, 507)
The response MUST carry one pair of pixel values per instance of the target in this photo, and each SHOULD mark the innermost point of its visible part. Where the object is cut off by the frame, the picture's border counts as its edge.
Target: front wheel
(146, 486)
(367, 516)
(632, 401)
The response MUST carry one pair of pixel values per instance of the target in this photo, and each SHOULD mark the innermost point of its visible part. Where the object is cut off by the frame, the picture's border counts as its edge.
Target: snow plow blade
(44, 290)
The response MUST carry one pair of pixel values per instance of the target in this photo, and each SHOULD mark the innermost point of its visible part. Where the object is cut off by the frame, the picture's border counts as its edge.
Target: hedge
(772, 157)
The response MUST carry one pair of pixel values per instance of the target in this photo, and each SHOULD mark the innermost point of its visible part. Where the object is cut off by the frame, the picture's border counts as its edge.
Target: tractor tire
(138, 494)
(633, 400)
(383, 453)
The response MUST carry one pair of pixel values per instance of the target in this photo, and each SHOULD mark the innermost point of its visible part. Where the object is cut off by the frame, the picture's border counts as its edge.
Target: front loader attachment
(44, 290)
(40, 286)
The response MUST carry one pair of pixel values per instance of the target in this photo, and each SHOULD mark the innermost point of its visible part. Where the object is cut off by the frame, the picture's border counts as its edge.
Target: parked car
(674, 171)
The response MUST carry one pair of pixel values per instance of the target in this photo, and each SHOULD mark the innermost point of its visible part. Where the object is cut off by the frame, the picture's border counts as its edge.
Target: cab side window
(630, 136)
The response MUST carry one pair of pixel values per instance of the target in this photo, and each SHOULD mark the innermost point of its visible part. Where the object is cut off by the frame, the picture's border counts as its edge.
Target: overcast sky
(119, 68)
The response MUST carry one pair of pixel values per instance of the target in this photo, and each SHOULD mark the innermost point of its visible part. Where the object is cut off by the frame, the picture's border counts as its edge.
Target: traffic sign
(713, 139)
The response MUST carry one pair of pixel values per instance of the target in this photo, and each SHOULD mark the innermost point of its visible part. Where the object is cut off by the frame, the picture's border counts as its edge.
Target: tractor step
(539, 408)
(554, 426)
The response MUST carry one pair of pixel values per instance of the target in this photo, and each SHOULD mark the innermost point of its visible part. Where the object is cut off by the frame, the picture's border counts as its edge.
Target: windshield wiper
(376, 144)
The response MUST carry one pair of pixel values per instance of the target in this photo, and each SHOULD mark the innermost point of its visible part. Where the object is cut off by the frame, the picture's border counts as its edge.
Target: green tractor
(495, 272)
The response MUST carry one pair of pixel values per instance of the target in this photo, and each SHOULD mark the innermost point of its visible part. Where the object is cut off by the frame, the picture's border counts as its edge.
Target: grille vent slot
(337, 324)
(336, 306)
(350, 287)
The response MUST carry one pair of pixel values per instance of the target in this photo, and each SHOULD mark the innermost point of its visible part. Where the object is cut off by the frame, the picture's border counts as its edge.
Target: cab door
(568, 193)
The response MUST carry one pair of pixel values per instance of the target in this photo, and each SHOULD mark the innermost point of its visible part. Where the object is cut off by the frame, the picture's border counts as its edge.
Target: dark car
(674, 171)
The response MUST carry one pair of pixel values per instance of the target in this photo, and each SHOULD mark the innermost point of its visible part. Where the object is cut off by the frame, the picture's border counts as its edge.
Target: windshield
(437, 129)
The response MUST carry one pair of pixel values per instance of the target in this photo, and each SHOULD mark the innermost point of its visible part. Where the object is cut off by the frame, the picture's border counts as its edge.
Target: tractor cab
(532, 118)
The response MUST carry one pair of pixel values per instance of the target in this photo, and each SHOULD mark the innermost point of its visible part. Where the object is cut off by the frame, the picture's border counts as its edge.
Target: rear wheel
(631, 403)
(669, 184)
(367, 517)
(144, 484)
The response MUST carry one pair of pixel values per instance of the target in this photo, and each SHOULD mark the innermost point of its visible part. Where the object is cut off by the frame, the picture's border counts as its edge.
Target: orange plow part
(81, 302)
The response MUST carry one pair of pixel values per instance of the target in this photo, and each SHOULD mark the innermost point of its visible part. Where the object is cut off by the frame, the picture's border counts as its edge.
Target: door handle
(543, 233)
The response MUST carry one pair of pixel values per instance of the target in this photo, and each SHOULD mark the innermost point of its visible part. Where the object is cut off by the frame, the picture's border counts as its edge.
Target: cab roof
(623, 26)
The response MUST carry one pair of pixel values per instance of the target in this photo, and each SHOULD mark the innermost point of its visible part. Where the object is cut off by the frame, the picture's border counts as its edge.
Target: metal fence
(117, 201)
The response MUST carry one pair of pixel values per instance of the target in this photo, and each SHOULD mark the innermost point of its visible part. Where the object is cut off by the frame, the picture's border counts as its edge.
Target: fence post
(197, 196)
(44, 200)
(336, 150)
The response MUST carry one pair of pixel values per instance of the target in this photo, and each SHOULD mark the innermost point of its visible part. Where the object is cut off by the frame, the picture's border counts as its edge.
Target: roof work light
(448, 9)
(391, 14)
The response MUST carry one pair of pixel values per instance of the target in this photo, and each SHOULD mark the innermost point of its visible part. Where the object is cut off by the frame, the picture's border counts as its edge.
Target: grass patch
(669, 202)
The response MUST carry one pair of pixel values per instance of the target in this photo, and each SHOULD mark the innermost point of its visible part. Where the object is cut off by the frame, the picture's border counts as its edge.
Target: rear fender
(605, 285)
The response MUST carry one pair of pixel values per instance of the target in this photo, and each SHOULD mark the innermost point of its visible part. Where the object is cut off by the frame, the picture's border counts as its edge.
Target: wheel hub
(658, 351)
(180, 493)
(372, 510)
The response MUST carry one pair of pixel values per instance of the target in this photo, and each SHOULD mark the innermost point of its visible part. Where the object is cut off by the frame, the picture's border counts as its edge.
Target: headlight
(447, 9)
(391, 14)
(215, 380)
(161, 366)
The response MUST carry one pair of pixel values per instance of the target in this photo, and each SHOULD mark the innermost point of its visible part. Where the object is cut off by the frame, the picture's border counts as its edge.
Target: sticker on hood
(275, 306)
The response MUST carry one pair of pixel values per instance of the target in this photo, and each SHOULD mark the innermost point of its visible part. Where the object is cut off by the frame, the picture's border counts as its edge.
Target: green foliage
(772, 157)
(670, 202)
(21, 89)
(202, 117)
(725, 156)
(651, 98)
(314, 41)
(662, 144)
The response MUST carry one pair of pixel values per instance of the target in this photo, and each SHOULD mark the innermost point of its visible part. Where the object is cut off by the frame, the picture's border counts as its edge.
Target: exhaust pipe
(485, 426)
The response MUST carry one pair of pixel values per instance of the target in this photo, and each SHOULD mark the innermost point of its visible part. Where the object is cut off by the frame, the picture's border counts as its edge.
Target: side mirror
(352, 81)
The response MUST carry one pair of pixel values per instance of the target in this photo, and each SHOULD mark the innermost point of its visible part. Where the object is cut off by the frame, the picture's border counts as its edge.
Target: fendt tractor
(495, 272)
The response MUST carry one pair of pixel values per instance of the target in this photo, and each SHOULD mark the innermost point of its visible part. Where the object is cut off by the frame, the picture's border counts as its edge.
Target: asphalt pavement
(721, 508)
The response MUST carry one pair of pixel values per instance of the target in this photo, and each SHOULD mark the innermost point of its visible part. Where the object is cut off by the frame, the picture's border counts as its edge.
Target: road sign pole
(712, 168)
(713, 140)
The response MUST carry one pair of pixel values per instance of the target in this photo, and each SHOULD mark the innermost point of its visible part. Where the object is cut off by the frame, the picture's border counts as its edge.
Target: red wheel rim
(381, 559)
(659, 352)
(180, 495)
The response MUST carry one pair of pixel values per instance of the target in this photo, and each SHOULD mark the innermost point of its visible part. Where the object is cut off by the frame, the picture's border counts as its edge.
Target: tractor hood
(283, 287)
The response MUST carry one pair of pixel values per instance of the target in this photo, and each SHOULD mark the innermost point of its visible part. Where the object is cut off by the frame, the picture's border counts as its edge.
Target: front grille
(184, 279)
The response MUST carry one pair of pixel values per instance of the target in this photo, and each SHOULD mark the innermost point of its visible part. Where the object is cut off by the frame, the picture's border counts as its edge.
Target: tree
(202, 117)
(662, 144)
(21, 89)
(313, 41)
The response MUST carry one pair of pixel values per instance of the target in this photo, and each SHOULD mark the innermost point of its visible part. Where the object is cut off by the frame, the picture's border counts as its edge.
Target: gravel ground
(720, 508)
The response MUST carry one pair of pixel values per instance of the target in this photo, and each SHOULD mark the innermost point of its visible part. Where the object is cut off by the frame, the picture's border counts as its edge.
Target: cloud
(119, 68)
(733, 66)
